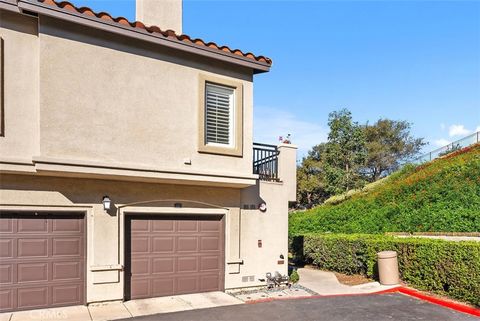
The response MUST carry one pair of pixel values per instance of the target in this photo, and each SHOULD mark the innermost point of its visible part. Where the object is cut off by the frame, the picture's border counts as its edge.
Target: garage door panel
(187, 244)
(140, 266)
(187, 285)
(6, 225)
(210, 243)
(140, 288)
(187, 226)
(140, 245)
(209, 263)
(163, 265)
(32, 272)
(187, 264)
(42, 261)
(65, 225)
(209, 226)
(163, 244)
(67, 246)
(6, 273)
(163, 226)
(32, 225)
(162, 287)
(32, 297)
(6, 248)
(140, 226)
(34, 247)
(186, 255)
(209, 282)
(6, 299)
(67, 270)
(67, 294)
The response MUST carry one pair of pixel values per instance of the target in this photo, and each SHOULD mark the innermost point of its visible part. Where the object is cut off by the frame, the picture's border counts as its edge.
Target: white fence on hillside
(456, 145)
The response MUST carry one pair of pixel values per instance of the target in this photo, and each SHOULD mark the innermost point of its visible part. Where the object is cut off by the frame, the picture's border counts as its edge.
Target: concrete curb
(442, 302)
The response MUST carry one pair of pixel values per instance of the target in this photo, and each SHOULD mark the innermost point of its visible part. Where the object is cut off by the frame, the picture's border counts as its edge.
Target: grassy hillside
(439, 196)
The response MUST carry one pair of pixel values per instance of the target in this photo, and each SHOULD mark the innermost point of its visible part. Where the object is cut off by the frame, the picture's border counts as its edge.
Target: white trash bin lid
(386, 254)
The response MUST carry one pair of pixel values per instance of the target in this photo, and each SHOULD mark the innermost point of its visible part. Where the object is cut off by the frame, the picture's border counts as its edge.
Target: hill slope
(439, 196)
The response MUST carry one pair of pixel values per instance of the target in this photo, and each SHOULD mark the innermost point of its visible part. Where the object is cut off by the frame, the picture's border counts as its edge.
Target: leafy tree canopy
(389, 144)
(311, 181)
(354, 155)
(345, 153)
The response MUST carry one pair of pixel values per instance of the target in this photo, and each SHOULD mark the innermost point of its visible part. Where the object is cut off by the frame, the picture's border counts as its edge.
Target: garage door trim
(128, 217)
(52, 214)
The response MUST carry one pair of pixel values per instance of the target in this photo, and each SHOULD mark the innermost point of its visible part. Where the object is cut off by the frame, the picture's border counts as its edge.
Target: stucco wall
(104, 239)
(21, 92)
(269, 227)
(120, 101)
(287, 169)
(105, 233)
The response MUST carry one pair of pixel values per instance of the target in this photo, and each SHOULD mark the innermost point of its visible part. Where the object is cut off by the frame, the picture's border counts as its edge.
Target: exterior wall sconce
(106, 203)
(262, 207)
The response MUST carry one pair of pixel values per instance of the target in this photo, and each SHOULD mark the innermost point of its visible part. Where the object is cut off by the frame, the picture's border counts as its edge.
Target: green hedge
(443, 267)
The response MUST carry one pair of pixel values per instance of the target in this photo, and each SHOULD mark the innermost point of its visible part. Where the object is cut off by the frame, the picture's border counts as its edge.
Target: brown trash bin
(388, 268)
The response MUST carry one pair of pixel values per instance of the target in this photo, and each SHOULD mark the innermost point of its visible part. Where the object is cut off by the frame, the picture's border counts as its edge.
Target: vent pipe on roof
(165, 14)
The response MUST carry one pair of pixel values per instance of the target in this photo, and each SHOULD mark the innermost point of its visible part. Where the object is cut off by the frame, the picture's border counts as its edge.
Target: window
(220, 116)
(219, 113)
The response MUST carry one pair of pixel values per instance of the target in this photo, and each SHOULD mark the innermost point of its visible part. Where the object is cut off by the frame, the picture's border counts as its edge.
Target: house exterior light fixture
(262, 207)
(106, 203)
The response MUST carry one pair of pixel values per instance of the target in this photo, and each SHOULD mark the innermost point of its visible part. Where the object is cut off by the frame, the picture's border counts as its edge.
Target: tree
(389, 144)
(310, 178)
(353, 155)
(317, 152)
(345, 153)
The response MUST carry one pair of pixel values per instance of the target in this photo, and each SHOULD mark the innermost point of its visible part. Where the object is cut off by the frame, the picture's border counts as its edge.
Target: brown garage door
(173, 255)
(42, 260)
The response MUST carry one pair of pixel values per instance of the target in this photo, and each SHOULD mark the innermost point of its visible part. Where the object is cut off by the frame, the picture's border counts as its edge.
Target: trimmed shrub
(294, 277)
(443, 267)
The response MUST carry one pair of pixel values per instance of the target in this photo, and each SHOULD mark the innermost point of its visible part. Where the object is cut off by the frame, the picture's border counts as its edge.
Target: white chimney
(165, 14)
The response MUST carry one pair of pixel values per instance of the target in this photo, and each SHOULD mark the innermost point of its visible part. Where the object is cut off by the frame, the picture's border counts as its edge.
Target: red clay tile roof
(153, 29)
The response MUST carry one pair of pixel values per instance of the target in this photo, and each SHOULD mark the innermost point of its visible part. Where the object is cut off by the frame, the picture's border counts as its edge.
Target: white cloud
(458, 130)
(270, 123)
(441, 142)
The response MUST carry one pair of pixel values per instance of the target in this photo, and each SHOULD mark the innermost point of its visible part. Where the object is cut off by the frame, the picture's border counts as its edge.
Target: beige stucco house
(127, 164)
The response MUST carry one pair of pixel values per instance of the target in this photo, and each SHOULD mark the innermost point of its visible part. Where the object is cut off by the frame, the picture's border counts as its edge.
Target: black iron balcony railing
(265, 161)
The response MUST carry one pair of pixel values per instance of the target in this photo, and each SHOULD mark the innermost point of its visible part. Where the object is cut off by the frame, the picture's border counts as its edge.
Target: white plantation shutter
(219, 105)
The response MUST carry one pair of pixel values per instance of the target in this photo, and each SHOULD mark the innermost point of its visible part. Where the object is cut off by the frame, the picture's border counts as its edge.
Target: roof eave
(109, 26)
(10, 5)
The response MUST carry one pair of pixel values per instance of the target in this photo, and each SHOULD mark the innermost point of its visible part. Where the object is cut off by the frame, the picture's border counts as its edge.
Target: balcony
(265, 162)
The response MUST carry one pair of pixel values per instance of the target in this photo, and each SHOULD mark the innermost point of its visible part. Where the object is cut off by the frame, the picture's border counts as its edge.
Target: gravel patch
(263, 292)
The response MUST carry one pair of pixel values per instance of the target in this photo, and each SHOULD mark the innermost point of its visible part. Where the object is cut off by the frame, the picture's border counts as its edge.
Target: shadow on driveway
(340, 308)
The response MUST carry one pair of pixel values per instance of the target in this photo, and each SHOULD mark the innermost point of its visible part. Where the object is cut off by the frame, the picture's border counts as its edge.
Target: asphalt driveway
(341, 308)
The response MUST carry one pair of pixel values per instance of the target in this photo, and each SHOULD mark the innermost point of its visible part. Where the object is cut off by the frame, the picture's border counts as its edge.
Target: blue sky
(405, 60)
